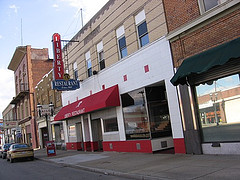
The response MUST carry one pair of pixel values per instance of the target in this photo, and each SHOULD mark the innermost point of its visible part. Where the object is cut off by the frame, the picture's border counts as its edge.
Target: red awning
(105, 98)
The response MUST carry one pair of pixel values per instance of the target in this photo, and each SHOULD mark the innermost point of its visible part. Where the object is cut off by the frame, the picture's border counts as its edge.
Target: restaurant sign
(65, 85)
(60, 82)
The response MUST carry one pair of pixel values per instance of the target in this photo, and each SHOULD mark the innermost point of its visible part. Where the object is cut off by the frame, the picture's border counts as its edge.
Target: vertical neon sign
(57, 53)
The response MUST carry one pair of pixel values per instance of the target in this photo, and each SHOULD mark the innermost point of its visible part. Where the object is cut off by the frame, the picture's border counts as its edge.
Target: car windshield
(20, 146)
(6, 145)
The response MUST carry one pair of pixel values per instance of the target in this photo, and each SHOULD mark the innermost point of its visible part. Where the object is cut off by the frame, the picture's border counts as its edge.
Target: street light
(51, 107)
(214, 99)
(39, 108)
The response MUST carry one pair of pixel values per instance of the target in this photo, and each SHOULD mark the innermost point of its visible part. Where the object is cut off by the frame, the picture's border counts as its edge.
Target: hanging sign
(61, 81)
(57, 53)
(63, 85)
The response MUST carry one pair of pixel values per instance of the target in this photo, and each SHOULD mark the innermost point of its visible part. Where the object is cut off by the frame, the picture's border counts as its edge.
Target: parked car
(19, 151)
(4, 150)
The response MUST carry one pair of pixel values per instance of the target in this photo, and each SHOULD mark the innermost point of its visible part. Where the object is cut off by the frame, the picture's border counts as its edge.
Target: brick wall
(39, 69)
(221, 95)
(179, 12)
(213, 34)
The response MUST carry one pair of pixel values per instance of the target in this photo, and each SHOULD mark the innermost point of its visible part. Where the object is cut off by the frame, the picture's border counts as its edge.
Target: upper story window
(22, 111)
(16, 83)
(20, 79)
(75, 71)
(142, 31)
(101, 55)
(206, 5)
(24, 73)
(18, 112)
(121, 42)
(26, 109)
(143, 34)
(89, 64)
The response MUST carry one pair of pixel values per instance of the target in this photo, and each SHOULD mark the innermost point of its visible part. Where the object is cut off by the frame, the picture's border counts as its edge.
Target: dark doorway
(80, 134)
(44, 136)
(97, 134)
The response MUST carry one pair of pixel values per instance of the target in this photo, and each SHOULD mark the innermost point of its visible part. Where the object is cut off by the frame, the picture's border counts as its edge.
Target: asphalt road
(42, 170)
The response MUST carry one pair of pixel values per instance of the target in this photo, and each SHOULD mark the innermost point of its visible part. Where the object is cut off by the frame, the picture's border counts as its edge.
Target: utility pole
(21, 34)
(81, 17)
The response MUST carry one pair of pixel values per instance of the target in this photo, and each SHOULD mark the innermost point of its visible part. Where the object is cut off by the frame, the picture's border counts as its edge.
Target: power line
(79, 12)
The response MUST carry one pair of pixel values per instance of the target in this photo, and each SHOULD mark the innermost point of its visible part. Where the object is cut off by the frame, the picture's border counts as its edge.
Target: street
(42, 170)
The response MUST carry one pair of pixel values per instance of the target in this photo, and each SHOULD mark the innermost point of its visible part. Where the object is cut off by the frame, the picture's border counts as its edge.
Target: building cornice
(17, 57)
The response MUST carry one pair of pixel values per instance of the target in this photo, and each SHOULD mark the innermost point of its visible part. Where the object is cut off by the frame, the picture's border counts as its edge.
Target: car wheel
(31, 158)
(11, 160)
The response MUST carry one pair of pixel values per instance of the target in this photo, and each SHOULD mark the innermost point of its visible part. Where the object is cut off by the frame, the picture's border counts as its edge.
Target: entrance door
(97, 133)
(44, 136)
(80, 134)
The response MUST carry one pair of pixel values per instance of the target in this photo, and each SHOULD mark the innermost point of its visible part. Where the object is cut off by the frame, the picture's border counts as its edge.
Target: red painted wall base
(179, 146)
(143, 146)
(87, 146)
(94, 146)
(74, 145)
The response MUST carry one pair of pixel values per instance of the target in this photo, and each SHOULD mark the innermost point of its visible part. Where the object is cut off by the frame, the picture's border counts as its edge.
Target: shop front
(84, 127)
(132, 106)
(214, 82)
(43, 132)
(146, 120)
(98, 122)
(58, 134)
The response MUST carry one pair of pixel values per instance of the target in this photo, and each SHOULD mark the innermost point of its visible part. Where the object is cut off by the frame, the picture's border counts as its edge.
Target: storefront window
(61, 132)
(72, 131)
(53, 132)
(110, 125)
(218, 103)
(158, 112)
(135, 115)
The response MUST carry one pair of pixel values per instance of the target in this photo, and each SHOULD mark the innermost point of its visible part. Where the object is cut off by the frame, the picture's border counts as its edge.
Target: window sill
(111, 133)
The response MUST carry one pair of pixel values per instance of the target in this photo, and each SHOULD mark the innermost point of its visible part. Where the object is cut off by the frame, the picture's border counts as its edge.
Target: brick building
(29, 66)
(49, 103)
(205, 42)
(9, 125)
(126, 101)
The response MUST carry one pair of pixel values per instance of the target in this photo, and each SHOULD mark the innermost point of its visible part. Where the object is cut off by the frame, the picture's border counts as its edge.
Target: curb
(108, 172)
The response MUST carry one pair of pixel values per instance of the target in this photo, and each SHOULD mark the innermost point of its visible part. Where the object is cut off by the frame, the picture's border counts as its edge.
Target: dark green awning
(206, 60)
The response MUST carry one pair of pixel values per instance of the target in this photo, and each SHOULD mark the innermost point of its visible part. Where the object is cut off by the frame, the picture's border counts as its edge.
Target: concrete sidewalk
(150, 166)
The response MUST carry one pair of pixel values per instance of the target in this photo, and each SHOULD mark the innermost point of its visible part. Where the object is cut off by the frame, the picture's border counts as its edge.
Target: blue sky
(40, 19)
(221, 85)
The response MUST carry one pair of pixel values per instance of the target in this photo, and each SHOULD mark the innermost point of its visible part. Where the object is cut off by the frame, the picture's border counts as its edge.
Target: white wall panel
(158, 57)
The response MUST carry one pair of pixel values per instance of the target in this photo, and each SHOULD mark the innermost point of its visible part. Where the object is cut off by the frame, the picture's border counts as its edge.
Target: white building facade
(126, 102)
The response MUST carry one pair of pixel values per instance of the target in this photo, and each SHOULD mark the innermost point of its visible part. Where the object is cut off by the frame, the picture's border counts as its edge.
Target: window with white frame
(122, 47)
(101, 55)
(206, 5)
(26, 109)
(75, 71)
(110, 124)
(142, 30)
(18, 113)
(89, 64)
(22, 111)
